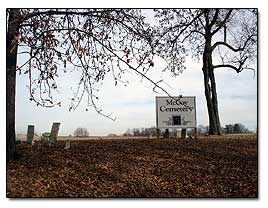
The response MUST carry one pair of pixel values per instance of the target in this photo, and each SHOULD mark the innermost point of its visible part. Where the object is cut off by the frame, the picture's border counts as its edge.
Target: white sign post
(175, 112)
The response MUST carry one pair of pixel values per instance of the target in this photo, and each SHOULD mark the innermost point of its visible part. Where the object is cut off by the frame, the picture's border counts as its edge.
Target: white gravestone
(67, 144)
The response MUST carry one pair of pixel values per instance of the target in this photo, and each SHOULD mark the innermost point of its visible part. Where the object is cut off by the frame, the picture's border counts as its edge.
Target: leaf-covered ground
(206, 167)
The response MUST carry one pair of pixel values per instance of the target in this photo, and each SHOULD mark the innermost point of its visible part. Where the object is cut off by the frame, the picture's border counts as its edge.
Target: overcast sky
(134, 105)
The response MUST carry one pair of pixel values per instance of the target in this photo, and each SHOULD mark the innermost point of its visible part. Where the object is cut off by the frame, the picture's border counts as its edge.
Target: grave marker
(45, 137)
(166, 134)
(30, 134)
(54, 132)
(67, 144)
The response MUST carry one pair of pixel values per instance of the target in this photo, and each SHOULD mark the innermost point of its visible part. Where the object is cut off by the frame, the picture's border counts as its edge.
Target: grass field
(223, 166)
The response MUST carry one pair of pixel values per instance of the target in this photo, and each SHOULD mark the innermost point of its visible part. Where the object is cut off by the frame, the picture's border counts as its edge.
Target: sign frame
(175, 98)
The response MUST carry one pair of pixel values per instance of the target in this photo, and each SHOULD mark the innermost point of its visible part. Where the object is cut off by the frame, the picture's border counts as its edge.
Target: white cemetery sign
(175, 112)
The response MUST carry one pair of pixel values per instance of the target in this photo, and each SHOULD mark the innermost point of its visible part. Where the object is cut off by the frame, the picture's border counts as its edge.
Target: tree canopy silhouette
(220, 38)
(93, 42)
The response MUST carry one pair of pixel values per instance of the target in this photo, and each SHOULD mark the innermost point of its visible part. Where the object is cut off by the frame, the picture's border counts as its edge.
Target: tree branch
(214, 18)
(231, 47)
(223, 22)
(58, 12)
(227, 66)
(111, 51)
(131, 67)
(184, 25)
(236, 68)
(228, 46)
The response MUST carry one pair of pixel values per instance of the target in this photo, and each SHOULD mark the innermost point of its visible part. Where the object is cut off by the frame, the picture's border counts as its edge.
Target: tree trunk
(11, 62)
(215, 99)
(210, 89)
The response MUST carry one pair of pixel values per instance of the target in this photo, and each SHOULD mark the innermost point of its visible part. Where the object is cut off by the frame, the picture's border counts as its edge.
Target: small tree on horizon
(81, 132)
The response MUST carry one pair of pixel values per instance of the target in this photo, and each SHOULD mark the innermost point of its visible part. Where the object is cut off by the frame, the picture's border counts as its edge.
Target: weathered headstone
(30, 134)
(54, 133)
(178, 134)
(45, 137)
(67, 144)
(183, 133)
(166, 134)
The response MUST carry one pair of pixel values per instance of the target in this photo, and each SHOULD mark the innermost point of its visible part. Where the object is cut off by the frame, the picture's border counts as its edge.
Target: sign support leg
(157, 133)
(195, 133)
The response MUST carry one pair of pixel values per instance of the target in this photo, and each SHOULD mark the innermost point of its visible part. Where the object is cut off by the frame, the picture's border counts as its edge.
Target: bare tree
(81, 132)
(93, 42)
(221, 38)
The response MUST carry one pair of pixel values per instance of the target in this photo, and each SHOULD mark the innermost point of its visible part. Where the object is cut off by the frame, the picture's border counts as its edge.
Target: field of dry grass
(23, 137)
(223, 166)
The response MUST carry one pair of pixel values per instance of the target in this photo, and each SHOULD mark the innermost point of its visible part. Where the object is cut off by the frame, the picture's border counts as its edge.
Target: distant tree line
(236, 128)
(151, 131)
(141, 132)
(112, 135)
